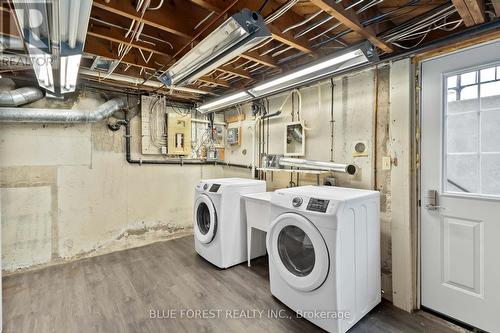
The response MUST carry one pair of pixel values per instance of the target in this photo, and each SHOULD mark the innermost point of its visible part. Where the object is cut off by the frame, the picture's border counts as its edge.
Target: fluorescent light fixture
(69, 72)
(337, 62)
(219, 103)
(55, 32)
(140, 81)
(236, 35)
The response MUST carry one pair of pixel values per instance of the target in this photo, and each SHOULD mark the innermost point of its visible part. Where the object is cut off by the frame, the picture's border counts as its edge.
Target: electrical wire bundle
(418, 30)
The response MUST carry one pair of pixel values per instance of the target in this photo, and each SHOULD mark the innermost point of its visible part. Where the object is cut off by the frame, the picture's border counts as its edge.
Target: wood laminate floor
(117, 292)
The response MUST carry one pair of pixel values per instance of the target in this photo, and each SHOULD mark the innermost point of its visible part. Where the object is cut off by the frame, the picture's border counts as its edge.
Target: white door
(298, 251)
(205, 219)
(460, 160)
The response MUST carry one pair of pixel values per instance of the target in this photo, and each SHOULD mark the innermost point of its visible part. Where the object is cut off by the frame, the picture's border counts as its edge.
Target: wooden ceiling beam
(115, 36)
(231, 69)
(351, 20)
(496, 6)
(102, 48)
(265, 60)
(212, 80)
(301, 44)
(287, 38)
(167, 19)
(158, 19)
(95, 47)
(471, 11)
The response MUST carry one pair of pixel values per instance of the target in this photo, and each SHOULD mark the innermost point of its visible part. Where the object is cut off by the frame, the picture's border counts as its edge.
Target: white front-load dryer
(220, 228)
(324, 253)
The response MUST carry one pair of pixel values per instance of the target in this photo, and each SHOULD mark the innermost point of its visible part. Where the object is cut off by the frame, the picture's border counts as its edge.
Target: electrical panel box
(234, 136)
(178, 134)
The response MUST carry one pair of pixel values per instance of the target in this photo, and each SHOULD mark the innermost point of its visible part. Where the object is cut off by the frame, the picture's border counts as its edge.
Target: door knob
(432, 200)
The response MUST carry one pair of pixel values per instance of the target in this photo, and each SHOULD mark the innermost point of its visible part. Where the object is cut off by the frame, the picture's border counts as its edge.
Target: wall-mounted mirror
(295, 143)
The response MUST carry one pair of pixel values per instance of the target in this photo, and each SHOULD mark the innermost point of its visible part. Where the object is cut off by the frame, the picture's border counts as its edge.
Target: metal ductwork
(19, 96)
(62, 116)
(318, 165)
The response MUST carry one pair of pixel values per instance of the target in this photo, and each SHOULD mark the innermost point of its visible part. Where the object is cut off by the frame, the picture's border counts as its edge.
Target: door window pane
(296, 250)
(462, 133)
(490, 89)
(469, 92)
(488, 74)
(468, 78)
(472, 129)
(490, 174)
(490, 131)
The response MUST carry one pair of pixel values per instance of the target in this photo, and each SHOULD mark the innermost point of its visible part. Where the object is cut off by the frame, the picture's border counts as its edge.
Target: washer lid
(205, 219)
(299, 251)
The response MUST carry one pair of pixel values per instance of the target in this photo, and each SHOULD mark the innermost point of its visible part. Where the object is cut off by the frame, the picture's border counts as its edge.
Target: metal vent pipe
(318, 165)
(62, 116)
(19, 96)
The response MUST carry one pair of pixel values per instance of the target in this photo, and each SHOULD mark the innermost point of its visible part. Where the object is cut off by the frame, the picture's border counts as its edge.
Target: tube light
(338, 61)
(238, 34)
(54, 34)
(239, 97)
(69, 72)
(307, 70)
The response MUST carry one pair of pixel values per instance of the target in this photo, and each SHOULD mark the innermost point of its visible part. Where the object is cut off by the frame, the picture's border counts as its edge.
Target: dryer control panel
(318, 205)
(214, 188)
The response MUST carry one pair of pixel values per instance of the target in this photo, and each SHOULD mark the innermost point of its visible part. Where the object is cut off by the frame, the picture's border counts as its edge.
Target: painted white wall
(353, 121)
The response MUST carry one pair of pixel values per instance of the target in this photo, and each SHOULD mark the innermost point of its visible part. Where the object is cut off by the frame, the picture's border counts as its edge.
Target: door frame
(416, 131)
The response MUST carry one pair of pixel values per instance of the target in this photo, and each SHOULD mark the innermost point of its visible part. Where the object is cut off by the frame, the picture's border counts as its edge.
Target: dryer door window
(205, 219)
(298, 251)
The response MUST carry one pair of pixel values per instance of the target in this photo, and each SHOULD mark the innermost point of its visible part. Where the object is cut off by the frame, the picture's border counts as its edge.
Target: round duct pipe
(62, 116)
(19, 96)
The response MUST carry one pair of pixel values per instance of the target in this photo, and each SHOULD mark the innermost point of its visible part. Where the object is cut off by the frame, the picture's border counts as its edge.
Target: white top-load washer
(220, 222)
(324, 253)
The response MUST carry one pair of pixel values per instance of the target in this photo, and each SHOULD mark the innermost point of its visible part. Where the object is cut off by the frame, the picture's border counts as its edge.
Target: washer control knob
(297, 201)
(205, 187)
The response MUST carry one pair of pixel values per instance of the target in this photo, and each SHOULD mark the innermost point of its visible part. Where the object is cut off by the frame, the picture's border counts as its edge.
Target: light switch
(386, 163)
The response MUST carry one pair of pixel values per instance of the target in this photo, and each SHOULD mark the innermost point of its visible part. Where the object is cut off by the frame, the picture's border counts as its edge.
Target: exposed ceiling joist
(115, 36)
(471, 11)
(100, 47)
(351, 20)
(261, 59)
(230, 69)
(301, 44)
(212, 80)
(163, 19)
(287, 38)
(496, 6)
(166, 21)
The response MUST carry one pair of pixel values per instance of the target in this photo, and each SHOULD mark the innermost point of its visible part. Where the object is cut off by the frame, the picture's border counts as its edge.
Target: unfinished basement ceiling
(130, 43)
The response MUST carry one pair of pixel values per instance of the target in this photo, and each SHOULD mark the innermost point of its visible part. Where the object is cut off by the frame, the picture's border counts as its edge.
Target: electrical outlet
(386, 163)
